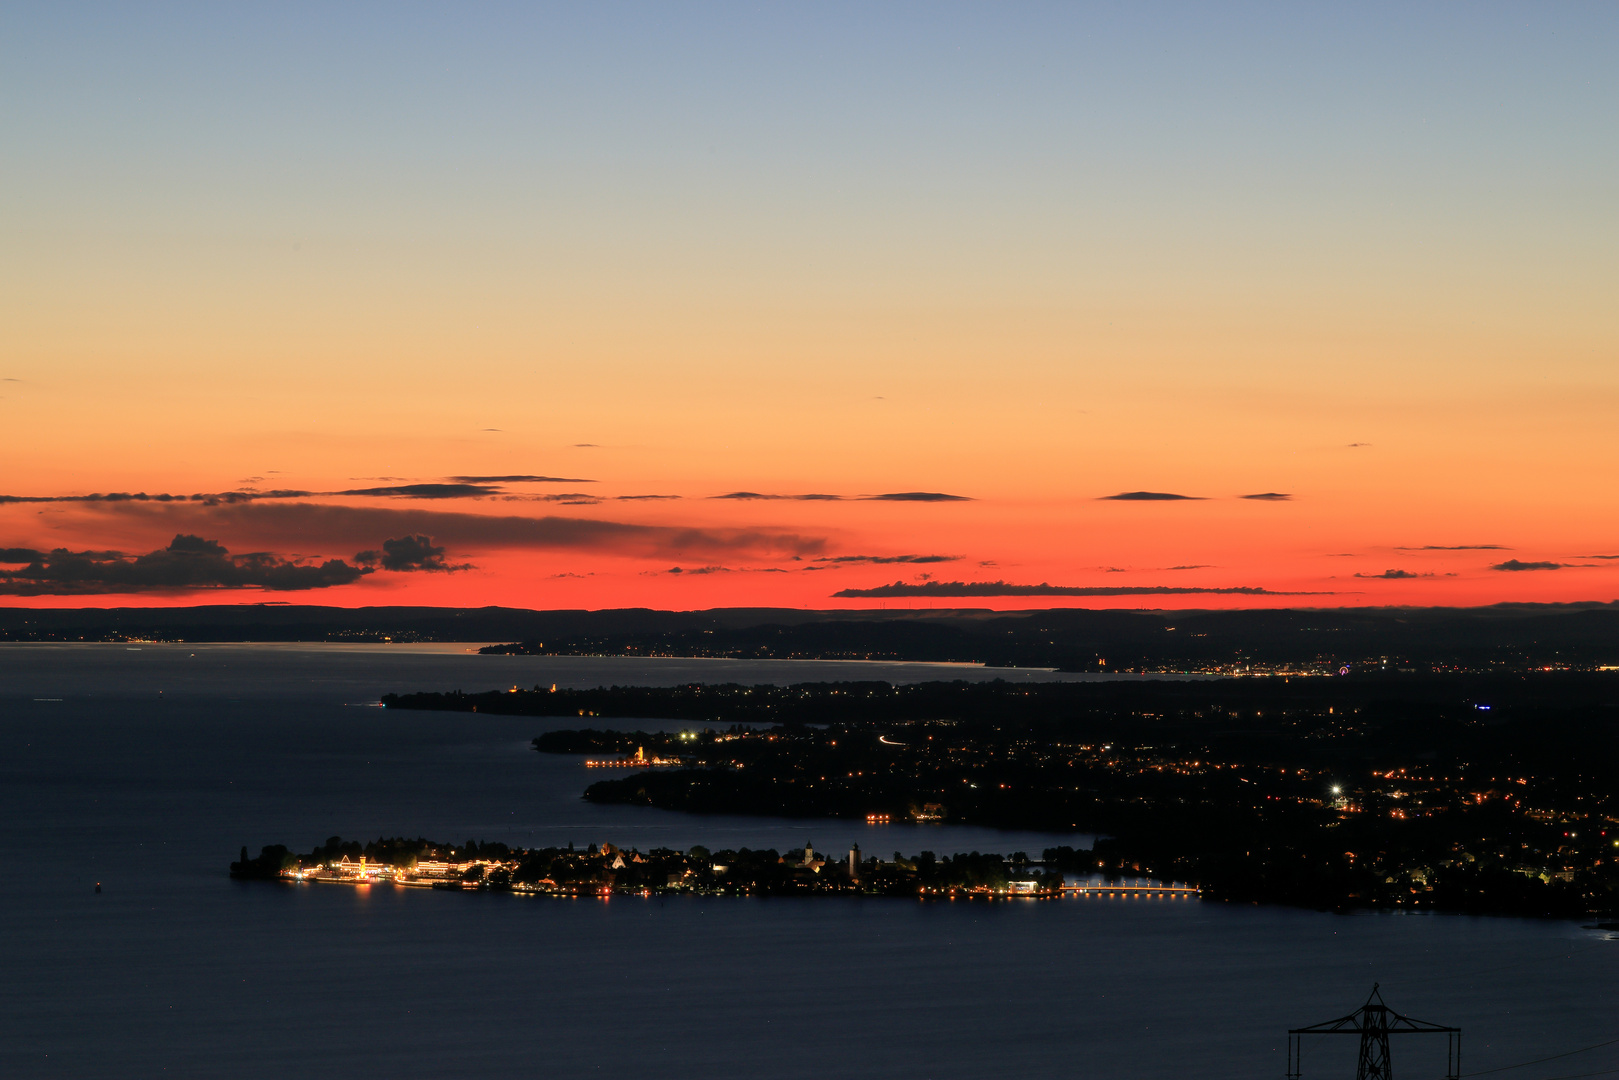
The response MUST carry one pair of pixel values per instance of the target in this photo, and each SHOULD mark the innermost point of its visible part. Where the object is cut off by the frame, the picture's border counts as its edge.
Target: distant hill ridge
(1074, 638)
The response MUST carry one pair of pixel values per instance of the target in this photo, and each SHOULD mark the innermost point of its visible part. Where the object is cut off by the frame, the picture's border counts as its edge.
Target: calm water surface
(157, 764)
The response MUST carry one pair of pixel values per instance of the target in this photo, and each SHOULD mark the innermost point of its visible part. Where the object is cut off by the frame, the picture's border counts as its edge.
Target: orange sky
(1365, 260)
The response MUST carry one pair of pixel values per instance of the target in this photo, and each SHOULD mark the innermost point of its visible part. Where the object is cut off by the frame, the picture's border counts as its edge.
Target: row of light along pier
(1141, 888)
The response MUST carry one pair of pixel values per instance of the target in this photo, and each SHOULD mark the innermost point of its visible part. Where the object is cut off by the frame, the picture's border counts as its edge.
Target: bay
(146, 767)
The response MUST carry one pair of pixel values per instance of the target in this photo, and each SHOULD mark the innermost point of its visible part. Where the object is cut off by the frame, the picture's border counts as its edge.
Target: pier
(1144, 888)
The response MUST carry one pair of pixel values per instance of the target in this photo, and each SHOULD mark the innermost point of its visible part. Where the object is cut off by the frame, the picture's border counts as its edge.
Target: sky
(515, 303)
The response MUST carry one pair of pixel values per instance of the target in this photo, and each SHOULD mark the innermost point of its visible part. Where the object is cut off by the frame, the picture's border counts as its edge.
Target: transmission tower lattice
(1374, 1022)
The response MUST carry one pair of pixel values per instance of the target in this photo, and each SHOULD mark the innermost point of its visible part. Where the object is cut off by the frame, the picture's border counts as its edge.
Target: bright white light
(1336, 790)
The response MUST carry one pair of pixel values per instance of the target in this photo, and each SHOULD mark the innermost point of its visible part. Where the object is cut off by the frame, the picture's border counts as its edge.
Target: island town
(606, 870)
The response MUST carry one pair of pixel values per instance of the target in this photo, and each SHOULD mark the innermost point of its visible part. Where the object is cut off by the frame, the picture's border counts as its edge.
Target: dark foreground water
(176, 970)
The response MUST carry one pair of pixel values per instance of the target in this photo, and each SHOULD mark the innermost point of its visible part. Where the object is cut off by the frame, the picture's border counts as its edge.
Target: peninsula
(1381, 788)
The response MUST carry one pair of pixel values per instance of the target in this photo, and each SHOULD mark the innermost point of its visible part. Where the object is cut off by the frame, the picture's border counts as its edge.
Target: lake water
(158, 763)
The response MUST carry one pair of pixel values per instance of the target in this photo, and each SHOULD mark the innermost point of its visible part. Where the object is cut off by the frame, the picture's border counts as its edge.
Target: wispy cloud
(1270, 496)
(887, 558)
(162, 497)
(1150, 496)
(566, 498)
(464, 490)
(1394, 575)
(458, 487)
(893, 496)
(434, 491)
(1513, 565)
(1454, 547)
(520, 478)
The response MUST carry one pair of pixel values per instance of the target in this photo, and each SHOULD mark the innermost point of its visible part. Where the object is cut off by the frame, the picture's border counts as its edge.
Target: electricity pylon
(1374, 1022)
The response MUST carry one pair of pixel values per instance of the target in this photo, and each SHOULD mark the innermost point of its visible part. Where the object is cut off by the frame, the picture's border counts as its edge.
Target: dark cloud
(1516, 564)
(636, 498)
(300, 526)
(1190, 566)
(466, 490)
(1151, 496)
(586, 445)
(520, 478)
(189, 562)
(1001, 588)
(1597, 556)
(1270, 496)
(408, 554)
(20, 555)
(700, 570)
(1394, 575)
(1455, 547)
(887, 558)
(1353, 445)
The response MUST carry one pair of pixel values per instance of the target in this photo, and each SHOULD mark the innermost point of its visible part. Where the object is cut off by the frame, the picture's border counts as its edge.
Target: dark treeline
(1086, 640)
(1202, 708)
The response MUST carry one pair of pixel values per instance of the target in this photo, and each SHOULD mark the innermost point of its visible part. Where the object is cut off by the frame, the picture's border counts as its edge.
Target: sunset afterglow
(950, 305)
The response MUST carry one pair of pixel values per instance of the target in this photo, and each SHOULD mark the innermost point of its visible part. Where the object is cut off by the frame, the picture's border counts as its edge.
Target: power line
(1554, 1057)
